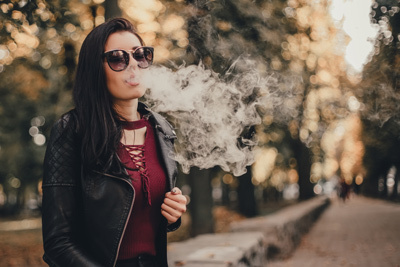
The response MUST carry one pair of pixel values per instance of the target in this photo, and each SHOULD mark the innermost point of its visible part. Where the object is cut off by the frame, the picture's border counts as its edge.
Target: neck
(127, 110)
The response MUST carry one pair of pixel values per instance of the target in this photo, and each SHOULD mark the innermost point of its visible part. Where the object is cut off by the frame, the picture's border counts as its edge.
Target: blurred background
(339, 59)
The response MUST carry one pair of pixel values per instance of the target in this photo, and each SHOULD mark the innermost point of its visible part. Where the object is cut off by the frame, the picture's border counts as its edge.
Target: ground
(21, 248)
(359, 232)
(24, 248)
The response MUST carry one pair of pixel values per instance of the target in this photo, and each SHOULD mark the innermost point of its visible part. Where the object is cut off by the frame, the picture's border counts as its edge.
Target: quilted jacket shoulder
(62, 153)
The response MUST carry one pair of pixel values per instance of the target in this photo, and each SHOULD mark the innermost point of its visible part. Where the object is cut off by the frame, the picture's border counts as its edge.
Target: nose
(132, 62)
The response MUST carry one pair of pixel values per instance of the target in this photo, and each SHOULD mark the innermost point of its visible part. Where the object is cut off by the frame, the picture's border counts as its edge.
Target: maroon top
(149, 181)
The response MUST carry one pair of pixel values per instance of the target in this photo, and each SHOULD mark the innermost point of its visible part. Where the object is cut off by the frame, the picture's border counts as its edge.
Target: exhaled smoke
(212, 113)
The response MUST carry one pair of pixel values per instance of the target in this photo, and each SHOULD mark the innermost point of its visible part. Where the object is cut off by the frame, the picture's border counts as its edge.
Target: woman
(108, 187)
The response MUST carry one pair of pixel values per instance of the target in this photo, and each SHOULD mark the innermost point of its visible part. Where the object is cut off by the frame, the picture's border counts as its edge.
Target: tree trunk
(395, 194)
(225, 201)
(370, 185)
(246, 197)
(385, 192)
(201, 202)
(112, 9)
(303, 157)
(377, 166)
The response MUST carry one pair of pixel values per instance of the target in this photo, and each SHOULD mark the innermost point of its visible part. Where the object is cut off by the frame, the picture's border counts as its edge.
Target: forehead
(122, 40)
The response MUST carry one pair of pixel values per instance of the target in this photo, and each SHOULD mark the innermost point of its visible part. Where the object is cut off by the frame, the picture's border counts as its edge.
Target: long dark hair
(98, 121)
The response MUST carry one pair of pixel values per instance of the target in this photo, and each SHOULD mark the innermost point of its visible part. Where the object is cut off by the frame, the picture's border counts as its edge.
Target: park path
(360, 232)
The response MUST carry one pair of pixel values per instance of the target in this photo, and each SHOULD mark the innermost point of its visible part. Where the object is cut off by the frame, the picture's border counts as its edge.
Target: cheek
(111, 80)
(107, 74)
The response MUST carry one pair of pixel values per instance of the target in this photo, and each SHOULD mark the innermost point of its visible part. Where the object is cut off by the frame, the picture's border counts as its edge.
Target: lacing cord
(136, 152)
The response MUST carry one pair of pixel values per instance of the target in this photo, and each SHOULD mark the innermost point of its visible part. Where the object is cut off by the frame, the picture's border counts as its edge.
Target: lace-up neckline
(136, 153)
(145, 221)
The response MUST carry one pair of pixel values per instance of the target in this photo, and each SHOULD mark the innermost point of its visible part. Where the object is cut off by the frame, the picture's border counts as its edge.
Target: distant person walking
(344, 189)
(109, 194)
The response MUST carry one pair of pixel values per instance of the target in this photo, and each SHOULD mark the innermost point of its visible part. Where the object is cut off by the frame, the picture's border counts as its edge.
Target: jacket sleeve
(61, 194)
(174, 226)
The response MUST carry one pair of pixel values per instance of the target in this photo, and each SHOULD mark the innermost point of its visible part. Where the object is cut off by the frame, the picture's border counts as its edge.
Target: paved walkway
(361, 232)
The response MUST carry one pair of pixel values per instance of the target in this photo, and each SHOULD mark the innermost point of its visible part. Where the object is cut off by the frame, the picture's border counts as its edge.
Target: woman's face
(124, 85)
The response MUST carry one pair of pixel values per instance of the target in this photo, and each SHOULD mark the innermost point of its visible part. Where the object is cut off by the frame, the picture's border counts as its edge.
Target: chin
(142, 91)
(137, 96)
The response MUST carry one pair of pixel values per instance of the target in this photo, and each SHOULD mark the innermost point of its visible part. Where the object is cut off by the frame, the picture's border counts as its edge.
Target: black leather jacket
(85, 215)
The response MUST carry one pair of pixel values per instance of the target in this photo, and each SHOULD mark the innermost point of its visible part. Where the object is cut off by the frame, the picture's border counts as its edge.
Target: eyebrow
(133, 48)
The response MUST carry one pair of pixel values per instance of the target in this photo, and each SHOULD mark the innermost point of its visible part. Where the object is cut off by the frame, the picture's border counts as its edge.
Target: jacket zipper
(130, 209)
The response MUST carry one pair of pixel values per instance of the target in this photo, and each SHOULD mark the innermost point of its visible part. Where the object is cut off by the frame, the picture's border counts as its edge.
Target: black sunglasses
(118, 60)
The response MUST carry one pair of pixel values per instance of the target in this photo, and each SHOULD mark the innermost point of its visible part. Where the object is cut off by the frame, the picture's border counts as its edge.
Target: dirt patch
(21, 248)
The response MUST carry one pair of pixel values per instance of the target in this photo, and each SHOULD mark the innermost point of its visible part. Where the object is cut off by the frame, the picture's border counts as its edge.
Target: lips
(132, 81)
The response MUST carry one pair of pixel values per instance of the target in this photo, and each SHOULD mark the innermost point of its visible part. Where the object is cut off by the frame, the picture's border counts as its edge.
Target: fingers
(174, 205)
(172, 210)
(171, 214)
(170, 219)
(179, 206)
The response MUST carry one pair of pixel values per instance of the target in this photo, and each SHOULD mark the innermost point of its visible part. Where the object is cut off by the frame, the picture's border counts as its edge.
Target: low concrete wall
(219, 250)
(283, 230)
(252, 241)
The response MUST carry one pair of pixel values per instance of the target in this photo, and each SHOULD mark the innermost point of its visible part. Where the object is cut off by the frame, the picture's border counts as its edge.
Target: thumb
(176, 191)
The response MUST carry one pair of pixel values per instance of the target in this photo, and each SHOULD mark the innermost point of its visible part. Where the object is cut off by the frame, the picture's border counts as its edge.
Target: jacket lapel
(165, 136)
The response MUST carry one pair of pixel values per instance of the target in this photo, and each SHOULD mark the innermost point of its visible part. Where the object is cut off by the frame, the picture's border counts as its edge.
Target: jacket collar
(160, 122)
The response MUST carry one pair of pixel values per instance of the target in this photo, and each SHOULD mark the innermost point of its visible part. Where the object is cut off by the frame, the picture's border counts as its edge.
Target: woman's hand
(174, 205)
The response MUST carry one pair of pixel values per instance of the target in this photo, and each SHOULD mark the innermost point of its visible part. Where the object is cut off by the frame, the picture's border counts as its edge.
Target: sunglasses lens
(144, 57)
(117, 60)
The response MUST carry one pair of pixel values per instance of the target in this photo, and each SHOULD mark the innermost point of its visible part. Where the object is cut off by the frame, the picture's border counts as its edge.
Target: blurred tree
(112, 9)
(20, 158)
(379, 92)
(293, 39)
(247, 204)
(201, 202)
(37, 61)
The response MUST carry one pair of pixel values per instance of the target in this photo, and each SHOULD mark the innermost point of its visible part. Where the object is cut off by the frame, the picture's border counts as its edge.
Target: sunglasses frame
(127, 57)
